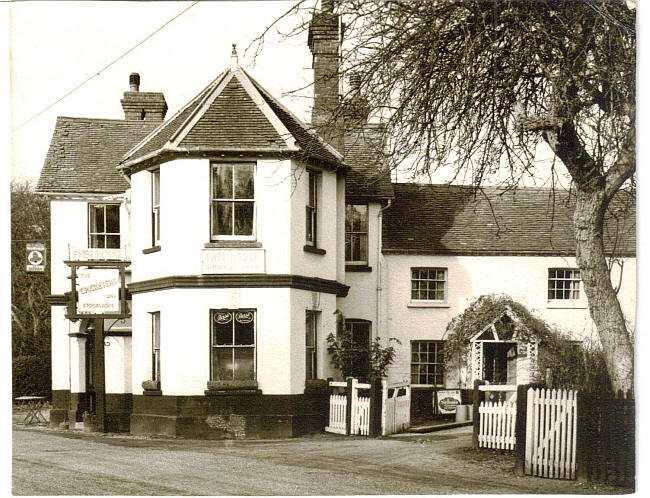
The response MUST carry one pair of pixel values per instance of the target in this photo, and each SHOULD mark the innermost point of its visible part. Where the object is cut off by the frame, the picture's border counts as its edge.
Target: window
(563, 283)
(429, 284)
(233, 345)
(312, 208)
(427, 362)
(356, 233)
(360, 331)
(155, 346)
(311, 339)
(104, 226)
(233, 200)
(155, 207)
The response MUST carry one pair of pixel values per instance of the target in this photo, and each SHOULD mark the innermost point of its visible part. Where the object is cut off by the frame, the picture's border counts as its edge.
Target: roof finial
(234, 58)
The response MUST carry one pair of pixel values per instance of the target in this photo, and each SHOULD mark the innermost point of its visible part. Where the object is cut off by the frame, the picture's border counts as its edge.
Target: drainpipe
(380, 217)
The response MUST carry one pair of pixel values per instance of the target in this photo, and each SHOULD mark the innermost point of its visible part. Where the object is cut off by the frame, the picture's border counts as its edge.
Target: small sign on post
(36, 258)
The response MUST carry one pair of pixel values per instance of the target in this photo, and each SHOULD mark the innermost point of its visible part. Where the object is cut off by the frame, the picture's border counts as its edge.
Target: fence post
(583, 430)
(477, 398)
(520, 429)
(375, 428)
(348, 406)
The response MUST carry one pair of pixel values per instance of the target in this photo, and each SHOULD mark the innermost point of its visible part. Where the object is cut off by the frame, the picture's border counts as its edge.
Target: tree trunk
(604, 308)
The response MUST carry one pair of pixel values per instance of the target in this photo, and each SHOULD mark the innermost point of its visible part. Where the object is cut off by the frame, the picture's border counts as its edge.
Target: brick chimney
(324, 41)
(142, 106)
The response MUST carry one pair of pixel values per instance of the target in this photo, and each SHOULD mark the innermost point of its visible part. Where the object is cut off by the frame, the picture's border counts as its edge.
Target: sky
(54, 46)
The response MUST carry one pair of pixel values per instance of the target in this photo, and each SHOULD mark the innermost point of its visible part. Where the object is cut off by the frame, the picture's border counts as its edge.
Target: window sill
(559, 305)
(221, 387)
(232, 244)
(427, 304)
(151, 249)
(314, 250)
(152, 393)
(358, 268)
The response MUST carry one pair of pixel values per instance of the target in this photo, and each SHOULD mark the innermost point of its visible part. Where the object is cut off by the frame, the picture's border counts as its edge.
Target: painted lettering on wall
(215, 261)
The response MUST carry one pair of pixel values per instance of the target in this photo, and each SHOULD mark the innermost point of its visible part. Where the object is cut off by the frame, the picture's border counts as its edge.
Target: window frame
(428, 342)
(445, 289)
(311, 352)
(155, 346)
(155, 207)
(359, 233)
(360, 321)
(105, 234)
(233, 346)
(311, 208)
(571, 289)
(234, 200)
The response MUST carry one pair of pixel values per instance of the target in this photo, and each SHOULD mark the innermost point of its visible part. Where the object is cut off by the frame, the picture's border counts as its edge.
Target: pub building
(199, 261)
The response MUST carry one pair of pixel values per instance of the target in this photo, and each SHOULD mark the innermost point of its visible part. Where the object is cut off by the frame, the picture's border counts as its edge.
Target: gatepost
(478, 396)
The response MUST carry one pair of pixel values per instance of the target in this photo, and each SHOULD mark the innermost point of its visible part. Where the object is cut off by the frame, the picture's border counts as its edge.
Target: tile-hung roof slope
(367, 176)
(84, 154)
(444, 219)
(232, 114)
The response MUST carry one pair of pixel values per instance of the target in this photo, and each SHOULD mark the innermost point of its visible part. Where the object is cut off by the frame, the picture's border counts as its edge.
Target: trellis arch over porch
(527, 347)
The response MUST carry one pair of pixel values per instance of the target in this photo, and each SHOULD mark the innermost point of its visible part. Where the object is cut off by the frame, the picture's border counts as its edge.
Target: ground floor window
(311, 339)
(155, 346)
(232, 348)
(427, 362)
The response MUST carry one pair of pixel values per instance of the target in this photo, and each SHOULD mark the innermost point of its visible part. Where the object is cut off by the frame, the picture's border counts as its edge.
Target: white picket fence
(396, 407)
(395, 402)
(551, 417)
(497, 424)
(360, 414)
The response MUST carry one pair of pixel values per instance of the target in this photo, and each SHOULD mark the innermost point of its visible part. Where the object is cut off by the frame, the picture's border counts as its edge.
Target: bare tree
(476, 86)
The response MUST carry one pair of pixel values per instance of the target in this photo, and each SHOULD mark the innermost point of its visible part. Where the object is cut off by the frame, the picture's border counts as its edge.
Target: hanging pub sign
(98, 290)
(35, 258)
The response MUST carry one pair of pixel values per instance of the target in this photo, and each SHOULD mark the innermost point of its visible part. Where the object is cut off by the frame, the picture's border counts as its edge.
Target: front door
(498, 362)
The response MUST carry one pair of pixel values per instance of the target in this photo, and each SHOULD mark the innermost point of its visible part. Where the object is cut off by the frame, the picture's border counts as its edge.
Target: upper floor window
(563, 283)
(429, 284)
(155, 207)
(312, 208)
(233, 200)
(356, 233)
(232, 344)
(104, 226)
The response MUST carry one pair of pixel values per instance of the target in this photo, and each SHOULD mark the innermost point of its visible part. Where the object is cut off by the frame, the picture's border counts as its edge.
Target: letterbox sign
(235, 260)
(448, 401)
(36, 258)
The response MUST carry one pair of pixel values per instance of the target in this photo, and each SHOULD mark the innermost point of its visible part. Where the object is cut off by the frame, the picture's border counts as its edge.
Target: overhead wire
(124, 54)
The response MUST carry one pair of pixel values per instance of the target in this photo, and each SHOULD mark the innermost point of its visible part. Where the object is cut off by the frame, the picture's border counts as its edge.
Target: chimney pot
(327, 5)
(234, 58)
(134, 82)
(355, 82)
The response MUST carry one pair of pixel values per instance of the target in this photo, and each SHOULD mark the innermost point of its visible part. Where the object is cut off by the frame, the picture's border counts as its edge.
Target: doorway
(500, 362)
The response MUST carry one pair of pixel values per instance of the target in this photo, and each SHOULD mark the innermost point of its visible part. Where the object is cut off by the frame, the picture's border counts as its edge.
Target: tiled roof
(84, 154)
(444, 219)
(367, 176)
(233, 113)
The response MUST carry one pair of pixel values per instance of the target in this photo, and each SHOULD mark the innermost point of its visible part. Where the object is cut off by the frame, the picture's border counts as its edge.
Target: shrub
(31, 376)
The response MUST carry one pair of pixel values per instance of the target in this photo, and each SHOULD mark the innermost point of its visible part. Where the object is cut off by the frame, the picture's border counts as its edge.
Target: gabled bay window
(104, 226)
(233, 201)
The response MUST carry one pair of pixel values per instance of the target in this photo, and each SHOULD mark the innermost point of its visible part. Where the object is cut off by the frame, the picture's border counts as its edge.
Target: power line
(105, 67)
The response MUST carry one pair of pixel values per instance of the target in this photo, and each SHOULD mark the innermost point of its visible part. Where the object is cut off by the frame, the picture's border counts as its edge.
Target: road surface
(49, 461)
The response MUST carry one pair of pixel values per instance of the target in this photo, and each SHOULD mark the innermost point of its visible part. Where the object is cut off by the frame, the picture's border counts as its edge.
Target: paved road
(65, 462)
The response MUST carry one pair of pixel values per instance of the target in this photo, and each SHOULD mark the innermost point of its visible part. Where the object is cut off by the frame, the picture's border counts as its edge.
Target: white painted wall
(185, 336)
(117, 361)
(524, 278)
(69, 228)
(60, 350)
(329, 206)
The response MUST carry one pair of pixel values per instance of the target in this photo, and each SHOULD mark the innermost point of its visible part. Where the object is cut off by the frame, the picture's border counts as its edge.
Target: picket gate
(497, 425)
(359, 413)
(396, 407)
(551, 428)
